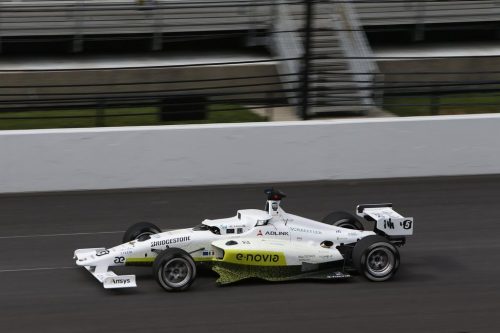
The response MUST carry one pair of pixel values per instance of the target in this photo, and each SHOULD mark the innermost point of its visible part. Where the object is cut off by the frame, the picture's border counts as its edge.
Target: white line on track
(36, 269)
(57, 235)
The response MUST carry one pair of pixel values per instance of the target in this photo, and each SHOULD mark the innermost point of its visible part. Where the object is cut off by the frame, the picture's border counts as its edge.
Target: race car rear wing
(387, 221)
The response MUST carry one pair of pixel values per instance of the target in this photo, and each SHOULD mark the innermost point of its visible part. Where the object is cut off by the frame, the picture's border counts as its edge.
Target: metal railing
(258, 86)
(286, 44)
(357, 50)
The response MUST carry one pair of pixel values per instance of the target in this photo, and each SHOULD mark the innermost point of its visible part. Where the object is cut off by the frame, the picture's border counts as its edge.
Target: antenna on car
(274, 195)
(273, 200)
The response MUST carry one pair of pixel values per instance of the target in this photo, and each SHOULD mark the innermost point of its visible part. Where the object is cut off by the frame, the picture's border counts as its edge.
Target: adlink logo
(121, 281)
(258, 257)
(276, 233)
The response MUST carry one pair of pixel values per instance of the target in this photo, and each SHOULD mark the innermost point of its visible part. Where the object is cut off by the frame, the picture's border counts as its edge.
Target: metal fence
(309, 67)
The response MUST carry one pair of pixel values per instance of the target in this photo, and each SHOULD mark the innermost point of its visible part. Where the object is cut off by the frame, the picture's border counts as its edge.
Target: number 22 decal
(119, 260)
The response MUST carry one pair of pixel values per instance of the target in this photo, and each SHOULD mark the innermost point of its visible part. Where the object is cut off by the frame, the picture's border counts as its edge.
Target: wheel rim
(177, 272)
(380, 261)
(144, 235)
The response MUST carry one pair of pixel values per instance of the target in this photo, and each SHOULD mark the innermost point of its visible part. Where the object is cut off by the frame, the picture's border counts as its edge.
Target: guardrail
(135, 157)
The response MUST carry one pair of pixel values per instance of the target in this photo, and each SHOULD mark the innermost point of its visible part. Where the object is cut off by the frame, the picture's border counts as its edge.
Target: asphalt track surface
(449, 280)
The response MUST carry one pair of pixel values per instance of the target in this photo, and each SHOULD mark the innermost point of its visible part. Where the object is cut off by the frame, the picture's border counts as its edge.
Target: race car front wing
(108, 278)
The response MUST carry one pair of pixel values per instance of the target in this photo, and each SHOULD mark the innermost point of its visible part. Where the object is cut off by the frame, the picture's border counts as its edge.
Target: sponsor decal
(274, 205)
(259, 233)
(120, 281)
(208, 253)
(171, 241)
(388, 224)
(276, 233)
(235, 226)
(257, 257)
(326, 257)
(307, 231)
(306, 257)
(336, 275)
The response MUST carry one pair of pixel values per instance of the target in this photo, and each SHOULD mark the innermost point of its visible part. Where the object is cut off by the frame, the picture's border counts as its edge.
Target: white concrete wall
(129, 157)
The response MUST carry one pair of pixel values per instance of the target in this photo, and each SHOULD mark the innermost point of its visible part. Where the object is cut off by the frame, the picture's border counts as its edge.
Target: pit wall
(163, 156)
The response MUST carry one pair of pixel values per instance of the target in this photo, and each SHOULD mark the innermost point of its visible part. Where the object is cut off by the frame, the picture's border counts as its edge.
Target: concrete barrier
(133, 157)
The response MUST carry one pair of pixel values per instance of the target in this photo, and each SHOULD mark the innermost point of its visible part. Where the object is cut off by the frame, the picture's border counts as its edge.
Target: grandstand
(376, 13)
(268, 37)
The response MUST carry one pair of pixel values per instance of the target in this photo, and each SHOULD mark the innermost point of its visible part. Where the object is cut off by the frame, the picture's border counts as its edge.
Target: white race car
(269, 244)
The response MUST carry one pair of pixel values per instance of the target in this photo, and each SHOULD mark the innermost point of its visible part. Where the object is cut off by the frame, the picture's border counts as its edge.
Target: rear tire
(174, 269)
(140, 231)
(375, 258)
(343, 220)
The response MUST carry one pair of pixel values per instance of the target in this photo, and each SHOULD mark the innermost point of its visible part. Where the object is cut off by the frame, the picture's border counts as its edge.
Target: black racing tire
(174, 269)
(140, 231)
(343, 220)
(375, 258)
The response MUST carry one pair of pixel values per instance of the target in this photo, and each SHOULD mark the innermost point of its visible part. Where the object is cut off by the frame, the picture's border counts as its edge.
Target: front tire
(343, 220)
(174, 269)
(140, 231)
(375, 258)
